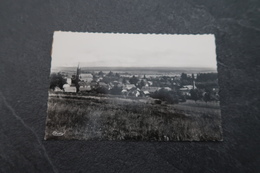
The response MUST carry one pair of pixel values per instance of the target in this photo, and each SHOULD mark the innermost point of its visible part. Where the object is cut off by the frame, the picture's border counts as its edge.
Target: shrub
(164, 95)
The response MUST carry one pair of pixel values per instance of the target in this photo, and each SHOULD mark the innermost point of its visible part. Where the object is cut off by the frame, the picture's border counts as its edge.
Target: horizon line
(132, 67)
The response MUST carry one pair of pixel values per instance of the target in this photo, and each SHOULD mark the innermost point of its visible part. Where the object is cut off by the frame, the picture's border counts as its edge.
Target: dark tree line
(201, 77)
(187, 80)
(57, 80)
(110, 77)
(206, 77)
(207, 96)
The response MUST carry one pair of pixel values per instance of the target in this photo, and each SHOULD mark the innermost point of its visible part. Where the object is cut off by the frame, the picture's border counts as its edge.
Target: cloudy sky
(132, 50)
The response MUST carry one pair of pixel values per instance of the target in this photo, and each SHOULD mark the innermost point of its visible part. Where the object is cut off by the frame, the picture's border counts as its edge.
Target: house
(86, 77)
(69, 88)
(102, 84)
(146, 93)
(69, 81)
(167, 88)
(129, 86)
(57, 89)
(134, 93)
(189, 87)
(83, 86)
(93, 84)
(99, 79)
(147, 84)
(115, 82)
(120, 85)
(125, 92)
(150, 89)
(110, 85)
(81, 83)
(176, 78)
(150, 83)
(185, 91)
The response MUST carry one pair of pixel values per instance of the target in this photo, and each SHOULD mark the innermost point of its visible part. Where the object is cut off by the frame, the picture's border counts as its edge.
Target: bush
(168, 96)
(102, 90)
(116, 90)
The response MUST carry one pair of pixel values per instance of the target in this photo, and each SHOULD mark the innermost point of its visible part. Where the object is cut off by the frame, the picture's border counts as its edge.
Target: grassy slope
(115, 119)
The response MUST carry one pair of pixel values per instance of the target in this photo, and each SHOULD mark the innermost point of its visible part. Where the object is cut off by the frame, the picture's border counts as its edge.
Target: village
(171, 89)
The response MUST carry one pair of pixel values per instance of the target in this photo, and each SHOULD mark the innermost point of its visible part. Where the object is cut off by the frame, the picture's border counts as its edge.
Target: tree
(124, 80)
(194, 94)
(116, 90)
(117, 75)
(207, 97)
(106, 80)
(57, 80)
(193, 77)
(102, 90)
(101, 73)
(184, 76)
(141, 84)
(168, 96)
(133, 80)
(110, 74)
(185, 80)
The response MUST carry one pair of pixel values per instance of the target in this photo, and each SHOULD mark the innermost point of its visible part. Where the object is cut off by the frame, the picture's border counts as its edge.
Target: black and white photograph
(133, 87)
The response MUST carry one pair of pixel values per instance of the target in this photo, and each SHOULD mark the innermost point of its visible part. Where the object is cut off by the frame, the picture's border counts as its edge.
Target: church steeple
(77, 79)
(194, 86)
(78, 71)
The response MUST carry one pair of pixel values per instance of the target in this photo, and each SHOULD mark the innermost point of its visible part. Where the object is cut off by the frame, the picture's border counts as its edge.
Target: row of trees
(201, 77)
(187, 80)
(197, 94)
(206, 77)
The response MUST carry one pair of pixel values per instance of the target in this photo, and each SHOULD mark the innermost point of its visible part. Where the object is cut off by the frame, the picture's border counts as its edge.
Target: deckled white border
(91, 32)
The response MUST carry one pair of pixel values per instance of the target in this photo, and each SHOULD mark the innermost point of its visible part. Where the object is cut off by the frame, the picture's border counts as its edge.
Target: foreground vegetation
(125, 119)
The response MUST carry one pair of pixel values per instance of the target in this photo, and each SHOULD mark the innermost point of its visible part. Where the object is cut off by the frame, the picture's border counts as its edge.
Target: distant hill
(133, 70)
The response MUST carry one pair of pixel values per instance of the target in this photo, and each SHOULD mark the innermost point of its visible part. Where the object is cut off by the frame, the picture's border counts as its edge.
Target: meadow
(104, 118)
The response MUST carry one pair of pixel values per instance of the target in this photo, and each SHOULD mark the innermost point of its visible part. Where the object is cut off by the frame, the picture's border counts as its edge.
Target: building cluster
(127, 85)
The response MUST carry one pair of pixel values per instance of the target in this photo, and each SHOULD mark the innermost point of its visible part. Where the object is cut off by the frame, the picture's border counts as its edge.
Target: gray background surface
(25, 43)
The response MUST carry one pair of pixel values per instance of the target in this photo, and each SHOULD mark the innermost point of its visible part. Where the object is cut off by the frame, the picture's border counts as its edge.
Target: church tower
(78, 73)
(194, 87)
(77, 79)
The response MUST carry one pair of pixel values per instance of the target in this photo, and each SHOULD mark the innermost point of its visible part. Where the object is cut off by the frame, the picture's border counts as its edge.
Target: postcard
(133, 87)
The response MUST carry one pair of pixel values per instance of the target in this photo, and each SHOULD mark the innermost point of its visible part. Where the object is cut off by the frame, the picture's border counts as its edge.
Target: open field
(105, 118)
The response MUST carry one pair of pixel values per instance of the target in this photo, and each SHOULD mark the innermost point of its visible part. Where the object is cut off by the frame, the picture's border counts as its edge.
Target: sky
(132, 50)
